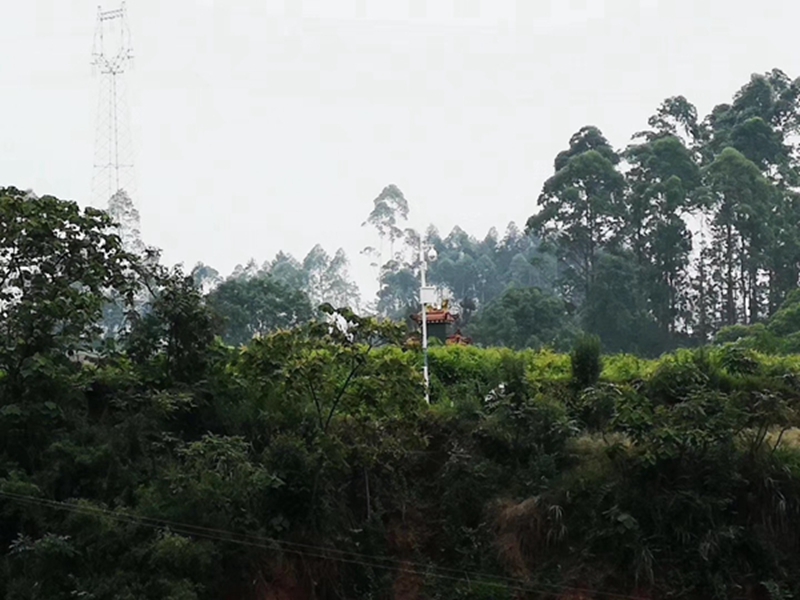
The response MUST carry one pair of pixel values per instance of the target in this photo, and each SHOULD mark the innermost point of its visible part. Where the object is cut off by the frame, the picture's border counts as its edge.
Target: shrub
(678, 375)
(586, 361)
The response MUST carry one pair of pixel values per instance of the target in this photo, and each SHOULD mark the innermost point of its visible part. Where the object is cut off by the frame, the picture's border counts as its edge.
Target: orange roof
(433, 316)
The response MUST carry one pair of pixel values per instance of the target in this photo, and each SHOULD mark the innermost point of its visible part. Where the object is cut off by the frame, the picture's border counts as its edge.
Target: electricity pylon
(112, 55)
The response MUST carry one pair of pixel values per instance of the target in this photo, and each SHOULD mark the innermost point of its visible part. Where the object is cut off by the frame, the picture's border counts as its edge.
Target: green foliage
(471, 272)
(623, 241)
(320, 277)
(616, 311)
(319, 435)
(258, 306)
(169, 465)
(523, 318)
(780, 334)
(59, 266)
(581, 205)
(619, 368)
(315, 371)
(595, 406)
(390, 208)
(586, 361)
(173, 338)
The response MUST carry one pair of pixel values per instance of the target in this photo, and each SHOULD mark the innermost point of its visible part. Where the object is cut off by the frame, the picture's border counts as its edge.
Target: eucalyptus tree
(328, 279)
(740, 231)
(288, 270)
(759, 123)
(762, 123)
(390, 210)
(616, 308)
(205, 277)
(581, 205)
(677, 117)
(398, 296)
(662, 178)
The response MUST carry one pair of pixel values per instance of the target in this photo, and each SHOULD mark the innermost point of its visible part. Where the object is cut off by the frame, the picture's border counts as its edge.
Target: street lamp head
(432, 255)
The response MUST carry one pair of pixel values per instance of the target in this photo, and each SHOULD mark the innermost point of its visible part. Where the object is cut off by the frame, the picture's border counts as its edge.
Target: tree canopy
(184, 435)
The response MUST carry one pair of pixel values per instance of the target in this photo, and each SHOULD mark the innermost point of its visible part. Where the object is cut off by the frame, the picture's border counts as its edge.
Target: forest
(691, 230)
(625, 425)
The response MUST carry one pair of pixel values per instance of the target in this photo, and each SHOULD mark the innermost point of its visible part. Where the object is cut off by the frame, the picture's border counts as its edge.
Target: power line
(314, 551)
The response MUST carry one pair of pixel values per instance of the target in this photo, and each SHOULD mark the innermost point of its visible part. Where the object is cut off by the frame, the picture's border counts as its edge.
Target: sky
(268, 125)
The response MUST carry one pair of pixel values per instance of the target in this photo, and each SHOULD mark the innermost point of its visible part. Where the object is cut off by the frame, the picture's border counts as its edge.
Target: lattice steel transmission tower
(112, 55)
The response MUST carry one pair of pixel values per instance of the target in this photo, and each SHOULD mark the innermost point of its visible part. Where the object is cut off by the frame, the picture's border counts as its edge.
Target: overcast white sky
(263, 125)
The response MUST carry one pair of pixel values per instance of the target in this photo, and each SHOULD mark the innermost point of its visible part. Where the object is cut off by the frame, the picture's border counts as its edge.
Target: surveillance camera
(432, 255)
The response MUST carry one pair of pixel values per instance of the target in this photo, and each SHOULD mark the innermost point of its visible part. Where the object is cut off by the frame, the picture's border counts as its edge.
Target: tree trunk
(754, 303)
(702, 320)
(744, 282)
(730, 284)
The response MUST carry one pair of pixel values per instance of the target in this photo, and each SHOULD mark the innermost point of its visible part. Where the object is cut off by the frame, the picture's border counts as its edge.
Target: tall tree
(257, 306)
(581, 205)
(389, 212)
(662, 177)
(205, 277)
(288, 270)
(616, 309)
(399, 294)
(759, 123)
(762, 123)
(784, 252)
(59, 266)
(703, 291)
(328, 279)
(741, 198)
(676, 117)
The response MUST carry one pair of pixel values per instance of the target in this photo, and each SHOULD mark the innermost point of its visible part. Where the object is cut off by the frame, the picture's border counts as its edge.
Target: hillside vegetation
(689, 227)
(627, 427)
(163, 463)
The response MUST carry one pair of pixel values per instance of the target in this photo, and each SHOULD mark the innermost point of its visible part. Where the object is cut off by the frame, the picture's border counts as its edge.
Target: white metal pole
(422, 268)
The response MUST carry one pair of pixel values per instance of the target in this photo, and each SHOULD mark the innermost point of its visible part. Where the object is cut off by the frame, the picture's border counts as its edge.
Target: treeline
(618, 217)
(471, 273)
(160, 463)
(692, 228)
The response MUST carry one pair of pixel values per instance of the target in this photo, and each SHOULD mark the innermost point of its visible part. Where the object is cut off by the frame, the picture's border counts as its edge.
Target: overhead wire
(315, 551)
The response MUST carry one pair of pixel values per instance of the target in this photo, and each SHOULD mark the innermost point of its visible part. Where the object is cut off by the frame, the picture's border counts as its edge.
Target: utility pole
(426, 296)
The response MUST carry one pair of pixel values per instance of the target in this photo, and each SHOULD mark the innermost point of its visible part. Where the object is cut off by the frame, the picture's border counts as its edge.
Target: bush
(679, 375)
(586, 362)
(594, 407)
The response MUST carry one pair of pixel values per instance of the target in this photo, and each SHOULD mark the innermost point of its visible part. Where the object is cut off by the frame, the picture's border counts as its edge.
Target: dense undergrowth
(307, 466)
(155, 462)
